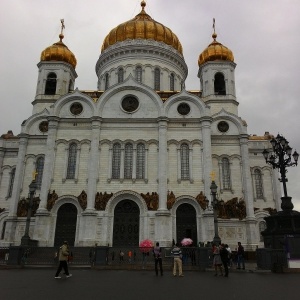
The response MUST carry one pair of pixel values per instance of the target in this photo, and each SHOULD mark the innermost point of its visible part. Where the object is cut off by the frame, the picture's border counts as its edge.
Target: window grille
(39, 170)
(140, 161)
(138, 74)
(258, 184)
(157, 79)
(50, 88)
(128, 161)
(226, 173)
(11, 182)
(172, 82)
(120, 75)
(72, 161)
(116, 161)
(184, 155)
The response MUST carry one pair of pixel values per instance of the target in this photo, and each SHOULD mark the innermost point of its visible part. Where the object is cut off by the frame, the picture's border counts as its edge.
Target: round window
(76, 108)
(130, 103)
(43, 127)
(223, 126)
(183, 109)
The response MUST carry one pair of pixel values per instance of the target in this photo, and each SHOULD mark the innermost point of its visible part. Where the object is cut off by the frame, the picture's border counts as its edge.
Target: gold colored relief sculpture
(151, 200)
(201, 199)
(82, 199)
(233, 208)
(51, 199)
(23, 204)
(101, 200)
(170, 199)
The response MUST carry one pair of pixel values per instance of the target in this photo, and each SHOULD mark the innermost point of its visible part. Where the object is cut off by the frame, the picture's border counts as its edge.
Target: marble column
(207, 153)
(162, 164)
(48, 165)
(93, 164)
(251, 234)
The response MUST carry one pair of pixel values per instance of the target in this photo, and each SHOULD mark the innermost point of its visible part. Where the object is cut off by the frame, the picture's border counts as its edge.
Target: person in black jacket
(158, 259)
(225, 258)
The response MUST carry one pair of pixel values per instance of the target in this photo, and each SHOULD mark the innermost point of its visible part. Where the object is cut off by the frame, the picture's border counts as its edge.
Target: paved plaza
(39, 283)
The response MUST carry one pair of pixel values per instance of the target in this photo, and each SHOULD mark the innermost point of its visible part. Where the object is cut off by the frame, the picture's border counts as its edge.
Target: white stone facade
(160, 128)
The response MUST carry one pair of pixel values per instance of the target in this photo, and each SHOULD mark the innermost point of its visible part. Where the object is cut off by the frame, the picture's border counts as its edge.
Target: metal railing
(107, 257)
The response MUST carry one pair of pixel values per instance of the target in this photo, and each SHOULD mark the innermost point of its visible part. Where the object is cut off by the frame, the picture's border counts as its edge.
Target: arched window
(120, 75)
(128, 161)
(11, 182)
(140, 161)
(138, 74)
(39, 170)
(106, 81)
(226, 173)
(172, 82)
(258, 184)
(185, 166)
(157, 79)
(262, 226)
(219, 84)
(72, 161)
(50, 88)
(116, 161)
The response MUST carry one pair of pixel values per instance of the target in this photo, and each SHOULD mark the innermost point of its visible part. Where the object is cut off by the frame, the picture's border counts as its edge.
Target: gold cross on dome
(62, 21)
(34, 174)
(212, 176)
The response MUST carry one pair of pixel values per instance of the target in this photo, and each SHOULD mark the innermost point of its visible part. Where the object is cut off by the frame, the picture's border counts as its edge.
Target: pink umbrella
(146, 245)
(186, 242)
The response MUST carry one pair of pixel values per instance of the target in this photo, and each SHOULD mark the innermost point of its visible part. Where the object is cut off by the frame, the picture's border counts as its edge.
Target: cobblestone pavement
(39, 283)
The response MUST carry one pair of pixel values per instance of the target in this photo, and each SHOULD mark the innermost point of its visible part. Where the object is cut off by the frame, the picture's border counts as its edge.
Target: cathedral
(135, 158)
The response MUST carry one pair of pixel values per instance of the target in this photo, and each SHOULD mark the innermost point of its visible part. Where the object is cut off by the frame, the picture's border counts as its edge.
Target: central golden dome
(142, 26)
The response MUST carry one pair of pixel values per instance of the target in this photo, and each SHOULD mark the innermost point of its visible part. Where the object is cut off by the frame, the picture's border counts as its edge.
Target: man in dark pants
(225, 258)
(63, 255)
(158, 259)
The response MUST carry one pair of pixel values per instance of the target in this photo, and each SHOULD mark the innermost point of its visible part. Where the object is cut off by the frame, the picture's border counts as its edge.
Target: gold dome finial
(143, 4)
(61, 36)
(214, 35)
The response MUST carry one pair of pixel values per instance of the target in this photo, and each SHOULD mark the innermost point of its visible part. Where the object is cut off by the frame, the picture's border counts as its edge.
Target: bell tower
(216, 73)
(56, 73)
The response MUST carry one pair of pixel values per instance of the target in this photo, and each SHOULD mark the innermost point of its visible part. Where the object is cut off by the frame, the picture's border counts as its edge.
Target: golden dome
(215, 51)
(59, 52)
(142, 26)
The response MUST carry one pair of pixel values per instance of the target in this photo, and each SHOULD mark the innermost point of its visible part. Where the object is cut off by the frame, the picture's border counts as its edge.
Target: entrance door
(186, 224)
(66, 224)
(126, 224)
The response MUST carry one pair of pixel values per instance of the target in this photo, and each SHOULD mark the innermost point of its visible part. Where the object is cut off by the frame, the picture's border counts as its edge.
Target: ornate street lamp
(215, 204)
(25, 241)
(280, 159)
(282, 225)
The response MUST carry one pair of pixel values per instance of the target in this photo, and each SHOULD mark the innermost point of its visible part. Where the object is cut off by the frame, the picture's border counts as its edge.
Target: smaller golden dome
(215, 51)
(59, 52)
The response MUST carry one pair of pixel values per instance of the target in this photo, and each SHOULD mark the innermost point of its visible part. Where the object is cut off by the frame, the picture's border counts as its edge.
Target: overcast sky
(263, 35)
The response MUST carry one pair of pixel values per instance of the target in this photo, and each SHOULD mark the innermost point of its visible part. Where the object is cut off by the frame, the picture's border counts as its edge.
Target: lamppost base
(283, 223)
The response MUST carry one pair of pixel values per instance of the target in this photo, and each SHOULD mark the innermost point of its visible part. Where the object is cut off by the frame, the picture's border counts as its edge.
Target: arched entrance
(66, 224)
(186, 223)
(126, 224)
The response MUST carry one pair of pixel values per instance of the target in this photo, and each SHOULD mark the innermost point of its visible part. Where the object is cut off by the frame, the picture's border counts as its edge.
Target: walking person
(157, 259)
(224, 257)
(217, 262)
(177, 254)
(63, 254)
(240, 256)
